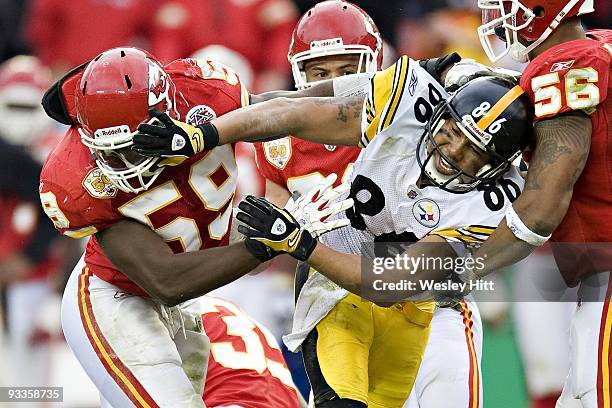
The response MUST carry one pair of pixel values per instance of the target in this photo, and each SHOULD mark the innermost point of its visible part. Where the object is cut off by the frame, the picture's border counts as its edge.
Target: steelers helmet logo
(426, 212)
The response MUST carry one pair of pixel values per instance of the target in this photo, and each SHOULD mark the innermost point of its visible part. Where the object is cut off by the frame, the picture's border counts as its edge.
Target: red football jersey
(576, 76)
(246, 368)
(299, 165)
(249, 179)
(188, 205)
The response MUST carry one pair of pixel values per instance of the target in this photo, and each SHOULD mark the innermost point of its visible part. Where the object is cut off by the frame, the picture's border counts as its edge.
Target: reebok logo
(561, 66)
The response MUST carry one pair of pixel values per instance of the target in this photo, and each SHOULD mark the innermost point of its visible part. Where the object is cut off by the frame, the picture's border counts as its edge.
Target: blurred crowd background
(253, 37)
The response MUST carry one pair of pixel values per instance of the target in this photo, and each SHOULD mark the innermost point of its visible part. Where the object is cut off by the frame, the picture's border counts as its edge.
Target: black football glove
(163, 136)
(436, 66)
(275, 228)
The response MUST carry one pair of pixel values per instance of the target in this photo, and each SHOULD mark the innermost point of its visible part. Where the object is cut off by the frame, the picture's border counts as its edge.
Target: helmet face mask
(429, 151)
(500, 21)
(115, 93)
(126, 169)
(332, 28)
(489, 116)
(367, 60)
(523, 24)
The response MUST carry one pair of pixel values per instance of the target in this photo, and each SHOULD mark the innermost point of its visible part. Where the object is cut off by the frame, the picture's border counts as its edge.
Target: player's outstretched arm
(562, 148)
(170, 278)
(355, 273)
(291, 231)
(334, 121)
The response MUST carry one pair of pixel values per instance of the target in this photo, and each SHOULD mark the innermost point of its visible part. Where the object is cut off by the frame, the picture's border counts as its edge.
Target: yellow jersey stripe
(80, 233)
(381, 88)
(103, 353)
(478, 229)
(399, 83)
(499, 107)
(476, 234)
(454, 235)
(605, 355)
(369, 112)
(244, 96)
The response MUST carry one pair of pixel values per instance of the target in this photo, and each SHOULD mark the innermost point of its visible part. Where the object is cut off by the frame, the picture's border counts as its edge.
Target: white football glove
(466, 68)
(313, 210)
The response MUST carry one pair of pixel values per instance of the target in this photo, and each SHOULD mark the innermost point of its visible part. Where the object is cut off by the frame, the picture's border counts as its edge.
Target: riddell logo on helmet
(112, 131)
(331, 42)
(469, 122)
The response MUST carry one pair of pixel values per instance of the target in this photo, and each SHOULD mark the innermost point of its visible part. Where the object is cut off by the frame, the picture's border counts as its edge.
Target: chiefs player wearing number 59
(568, 190)
(159, 228)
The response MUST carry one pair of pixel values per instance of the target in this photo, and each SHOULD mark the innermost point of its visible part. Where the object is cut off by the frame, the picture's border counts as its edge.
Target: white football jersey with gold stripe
(391, 202)
(391, 198)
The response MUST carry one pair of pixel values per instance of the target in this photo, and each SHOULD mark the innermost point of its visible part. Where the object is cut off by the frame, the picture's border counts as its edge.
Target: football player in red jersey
(568, 190)
(246, 367)
(159, 227)
(332, 39)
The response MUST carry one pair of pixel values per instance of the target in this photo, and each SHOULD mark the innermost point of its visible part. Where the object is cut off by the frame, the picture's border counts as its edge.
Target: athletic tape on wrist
(521, 231)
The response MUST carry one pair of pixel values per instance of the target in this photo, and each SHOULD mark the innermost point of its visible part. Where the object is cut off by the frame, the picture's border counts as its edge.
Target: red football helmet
(115, 93)
(529, 20)
(334, 27)
(23, 81)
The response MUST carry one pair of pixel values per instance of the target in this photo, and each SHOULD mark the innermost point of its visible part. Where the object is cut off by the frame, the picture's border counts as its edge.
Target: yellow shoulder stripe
(80, 233)
(244, 96)
(384, 98)
(399, 83)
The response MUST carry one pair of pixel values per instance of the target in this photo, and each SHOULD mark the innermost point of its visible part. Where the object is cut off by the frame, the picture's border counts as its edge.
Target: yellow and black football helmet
(495, 115)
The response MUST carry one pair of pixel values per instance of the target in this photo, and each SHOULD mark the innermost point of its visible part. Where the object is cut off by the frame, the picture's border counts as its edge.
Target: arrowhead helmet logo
(159, 85)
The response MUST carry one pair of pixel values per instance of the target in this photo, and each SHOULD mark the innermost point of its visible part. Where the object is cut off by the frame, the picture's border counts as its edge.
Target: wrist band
(521, 231)
(211, 135)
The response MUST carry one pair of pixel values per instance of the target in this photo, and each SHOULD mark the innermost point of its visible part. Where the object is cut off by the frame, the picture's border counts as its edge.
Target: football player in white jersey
(404, 187)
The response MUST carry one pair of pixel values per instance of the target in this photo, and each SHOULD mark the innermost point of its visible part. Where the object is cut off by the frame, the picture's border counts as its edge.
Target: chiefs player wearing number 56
(159, 228)
(568, 189)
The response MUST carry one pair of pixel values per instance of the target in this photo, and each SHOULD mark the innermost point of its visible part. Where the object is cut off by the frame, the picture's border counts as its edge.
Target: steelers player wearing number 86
(422, 147)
